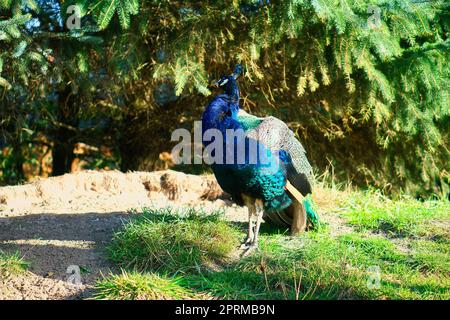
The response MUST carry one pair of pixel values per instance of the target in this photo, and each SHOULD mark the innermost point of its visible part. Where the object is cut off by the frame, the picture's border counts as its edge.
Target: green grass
(403, 217)
(144, 286)
(323, 267)
(11, 264)
(397, 250)
(432, 256)
(170, 241)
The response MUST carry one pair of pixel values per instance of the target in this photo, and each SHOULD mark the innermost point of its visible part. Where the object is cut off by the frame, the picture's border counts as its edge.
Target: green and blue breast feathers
(262, 177)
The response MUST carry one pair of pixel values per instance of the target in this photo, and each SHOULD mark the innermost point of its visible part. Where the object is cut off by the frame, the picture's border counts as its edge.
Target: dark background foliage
(369, 103)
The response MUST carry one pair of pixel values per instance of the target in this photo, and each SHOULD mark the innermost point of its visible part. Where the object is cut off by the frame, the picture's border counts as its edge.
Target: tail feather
(311, 215)
(312, 218)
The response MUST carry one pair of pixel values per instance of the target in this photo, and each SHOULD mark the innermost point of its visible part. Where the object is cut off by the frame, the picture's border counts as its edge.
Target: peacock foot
(250, 249)
(244, 246)
(248, 242)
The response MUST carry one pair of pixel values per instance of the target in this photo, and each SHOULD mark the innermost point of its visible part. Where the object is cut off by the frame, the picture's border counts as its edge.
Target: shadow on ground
(53, 242)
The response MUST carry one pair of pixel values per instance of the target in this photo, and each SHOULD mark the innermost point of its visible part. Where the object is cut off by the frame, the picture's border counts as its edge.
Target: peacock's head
(229, 83)
(223, 82)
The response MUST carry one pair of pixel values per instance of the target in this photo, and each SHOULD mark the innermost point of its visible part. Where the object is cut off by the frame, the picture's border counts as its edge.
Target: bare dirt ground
(67, 221)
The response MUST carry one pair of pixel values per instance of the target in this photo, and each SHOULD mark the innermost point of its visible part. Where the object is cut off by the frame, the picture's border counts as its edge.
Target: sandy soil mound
(107, 190)
(66, 221)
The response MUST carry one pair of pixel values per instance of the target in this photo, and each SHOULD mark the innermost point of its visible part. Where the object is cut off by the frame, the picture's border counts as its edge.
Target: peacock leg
(250, 203)
(255, 223)
(259, 206)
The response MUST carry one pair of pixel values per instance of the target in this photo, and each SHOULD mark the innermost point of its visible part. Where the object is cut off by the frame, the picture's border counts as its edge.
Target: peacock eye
(223, 82)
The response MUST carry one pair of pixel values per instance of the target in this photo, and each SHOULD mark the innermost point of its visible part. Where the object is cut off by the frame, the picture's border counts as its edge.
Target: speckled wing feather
(277, 136)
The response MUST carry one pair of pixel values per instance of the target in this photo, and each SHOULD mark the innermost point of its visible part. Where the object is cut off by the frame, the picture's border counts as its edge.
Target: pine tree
(334, 67)
(361, 81)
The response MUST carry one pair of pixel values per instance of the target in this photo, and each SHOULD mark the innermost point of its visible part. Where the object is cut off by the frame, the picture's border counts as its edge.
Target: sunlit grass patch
(232, 284)
(144, 286)
(173, 241)
(432, 257)
(191, 248)
(322, 268)
(348, 267)
(404, 217)
(12, 263)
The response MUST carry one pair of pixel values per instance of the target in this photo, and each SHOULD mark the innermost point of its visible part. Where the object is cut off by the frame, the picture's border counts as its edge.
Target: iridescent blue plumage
(259, 162)
(260, 174)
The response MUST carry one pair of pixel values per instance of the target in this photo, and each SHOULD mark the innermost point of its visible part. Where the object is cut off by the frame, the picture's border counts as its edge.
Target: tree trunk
(63, 157)
(18, 163)
(63, 137)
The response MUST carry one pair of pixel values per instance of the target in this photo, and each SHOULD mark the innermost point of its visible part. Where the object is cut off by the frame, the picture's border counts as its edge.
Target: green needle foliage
(363, 83)
(104, 11)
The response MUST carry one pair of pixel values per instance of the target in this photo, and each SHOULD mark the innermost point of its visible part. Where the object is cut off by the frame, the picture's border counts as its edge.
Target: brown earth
(67, 221)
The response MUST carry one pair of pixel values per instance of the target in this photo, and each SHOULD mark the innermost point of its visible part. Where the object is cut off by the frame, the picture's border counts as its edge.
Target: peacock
(272, 177)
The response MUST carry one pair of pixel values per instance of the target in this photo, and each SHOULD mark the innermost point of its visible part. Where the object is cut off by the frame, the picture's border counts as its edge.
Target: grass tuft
(12, 264)
(173, 241)
(144, 286)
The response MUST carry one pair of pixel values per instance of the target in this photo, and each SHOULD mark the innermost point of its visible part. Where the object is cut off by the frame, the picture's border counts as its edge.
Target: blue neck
(232, 90)
(222, 112)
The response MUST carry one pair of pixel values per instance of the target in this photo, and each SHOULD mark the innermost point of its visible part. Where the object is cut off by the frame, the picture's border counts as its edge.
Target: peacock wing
(277, 137)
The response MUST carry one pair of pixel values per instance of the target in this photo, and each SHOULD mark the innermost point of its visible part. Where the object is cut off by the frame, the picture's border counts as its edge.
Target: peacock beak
(214, 85)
